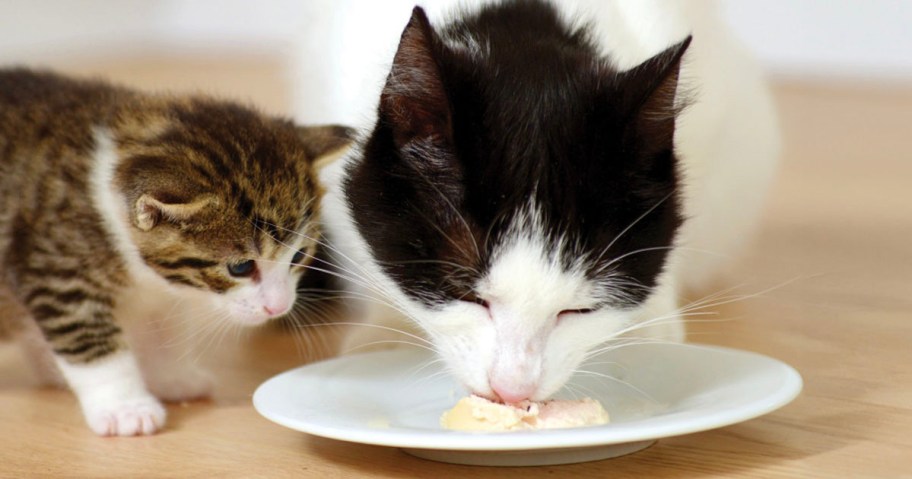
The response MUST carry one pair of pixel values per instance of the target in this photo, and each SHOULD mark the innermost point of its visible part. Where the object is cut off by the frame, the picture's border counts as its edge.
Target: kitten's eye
(298, 258)
(576, 311)
(242, 269)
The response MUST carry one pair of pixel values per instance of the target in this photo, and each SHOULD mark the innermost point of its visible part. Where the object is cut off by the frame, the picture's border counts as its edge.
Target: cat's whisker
(386, 342)
(424, 365)
(352, 280)
(605, 363)
(584, 391)
(336, 252)
(453, 242)
(625, 344)
(456, 212)
(669, 318)
(631, 225)
(456, 266)
(367, 281)
(363, 280)
(617, 259)
(734, 299)
(572, 390)
(421, 382)
(618, 381)
(352, 276)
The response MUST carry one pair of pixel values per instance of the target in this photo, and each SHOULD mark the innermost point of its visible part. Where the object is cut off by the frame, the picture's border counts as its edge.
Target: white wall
(841, 39)
(853, 39)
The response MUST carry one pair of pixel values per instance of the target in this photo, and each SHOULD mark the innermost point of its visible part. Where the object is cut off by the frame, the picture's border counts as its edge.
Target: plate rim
(609, 434)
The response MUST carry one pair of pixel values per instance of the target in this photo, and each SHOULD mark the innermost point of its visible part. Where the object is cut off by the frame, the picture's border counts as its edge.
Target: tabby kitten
(125, 217)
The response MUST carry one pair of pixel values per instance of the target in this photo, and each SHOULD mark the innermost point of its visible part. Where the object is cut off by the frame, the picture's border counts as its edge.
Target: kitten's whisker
(196, 327)
(323, 318)
(299, 339)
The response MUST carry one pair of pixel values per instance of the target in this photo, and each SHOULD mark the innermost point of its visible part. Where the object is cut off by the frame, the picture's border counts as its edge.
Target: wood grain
(832, 259)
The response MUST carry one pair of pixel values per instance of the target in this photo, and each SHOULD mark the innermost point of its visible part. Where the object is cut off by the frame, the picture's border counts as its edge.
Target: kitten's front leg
(89, 350)
(113, 397)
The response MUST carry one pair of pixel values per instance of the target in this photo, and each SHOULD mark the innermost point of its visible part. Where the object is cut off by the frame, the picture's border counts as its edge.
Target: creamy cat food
(474, 413)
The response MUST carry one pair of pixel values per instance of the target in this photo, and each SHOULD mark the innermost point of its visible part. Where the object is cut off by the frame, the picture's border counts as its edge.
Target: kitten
(532, 189)
(125, 216)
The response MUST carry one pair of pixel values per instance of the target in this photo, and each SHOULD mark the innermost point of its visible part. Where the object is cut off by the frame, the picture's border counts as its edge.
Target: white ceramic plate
(395, 398)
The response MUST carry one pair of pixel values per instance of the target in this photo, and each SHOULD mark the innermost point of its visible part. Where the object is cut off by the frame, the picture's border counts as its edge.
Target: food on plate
(475, 413)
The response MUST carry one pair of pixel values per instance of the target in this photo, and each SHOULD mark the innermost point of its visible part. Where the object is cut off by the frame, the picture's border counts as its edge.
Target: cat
(545, 178)
(125, 217)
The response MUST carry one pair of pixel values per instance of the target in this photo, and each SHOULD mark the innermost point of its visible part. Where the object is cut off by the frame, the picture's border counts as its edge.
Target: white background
(832, 39)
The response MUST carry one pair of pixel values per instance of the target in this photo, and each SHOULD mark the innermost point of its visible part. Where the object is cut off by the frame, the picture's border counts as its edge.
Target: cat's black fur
(466, 137)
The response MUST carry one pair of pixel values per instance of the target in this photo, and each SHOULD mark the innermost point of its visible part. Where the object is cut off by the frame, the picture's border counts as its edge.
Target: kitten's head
(224, 201)
(519, 193)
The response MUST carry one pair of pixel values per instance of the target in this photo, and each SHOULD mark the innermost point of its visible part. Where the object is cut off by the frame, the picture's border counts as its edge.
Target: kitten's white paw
(140, 416)
(180, 383)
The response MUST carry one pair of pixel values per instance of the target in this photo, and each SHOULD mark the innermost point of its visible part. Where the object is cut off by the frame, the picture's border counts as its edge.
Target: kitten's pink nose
(275, 310)
(512, 393)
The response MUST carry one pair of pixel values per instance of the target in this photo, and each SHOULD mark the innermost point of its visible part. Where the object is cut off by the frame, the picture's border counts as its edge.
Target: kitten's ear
(651, 88)
(152, 209)
(324, 144)
(414, 103)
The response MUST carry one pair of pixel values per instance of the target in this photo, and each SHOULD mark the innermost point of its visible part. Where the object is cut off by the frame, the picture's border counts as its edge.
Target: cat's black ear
(651, 90)
(152, 209)
(414, 103)
(325, 143)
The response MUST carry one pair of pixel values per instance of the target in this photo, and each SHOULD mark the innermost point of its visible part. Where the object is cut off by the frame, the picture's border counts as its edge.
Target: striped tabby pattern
(106, 192)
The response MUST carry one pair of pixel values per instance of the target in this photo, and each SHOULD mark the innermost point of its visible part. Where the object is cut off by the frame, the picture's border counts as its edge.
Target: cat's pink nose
(513, 393)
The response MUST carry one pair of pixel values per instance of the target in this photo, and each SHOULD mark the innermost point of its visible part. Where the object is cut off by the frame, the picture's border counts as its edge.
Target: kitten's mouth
(253, 320)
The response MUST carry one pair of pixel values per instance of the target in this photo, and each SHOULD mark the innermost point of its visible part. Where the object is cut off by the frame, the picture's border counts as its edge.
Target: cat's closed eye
(475, 299)
(578, 311)
(242, 269)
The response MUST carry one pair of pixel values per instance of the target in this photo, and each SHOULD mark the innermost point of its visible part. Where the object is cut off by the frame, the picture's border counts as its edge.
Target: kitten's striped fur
(116, 205)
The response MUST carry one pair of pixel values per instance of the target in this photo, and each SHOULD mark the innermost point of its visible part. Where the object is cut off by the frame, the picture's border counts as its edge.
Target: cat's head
(224, 201)
(520, 196)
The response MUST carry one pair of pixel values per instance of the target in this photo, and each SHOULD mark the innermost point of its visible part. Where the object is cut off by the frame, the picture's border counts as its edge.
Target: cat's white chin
(507, 367)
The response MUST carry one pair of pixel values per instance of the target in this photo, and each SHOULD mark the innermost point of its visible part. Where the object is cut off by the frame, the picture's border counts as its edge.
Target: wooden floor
(835, 244)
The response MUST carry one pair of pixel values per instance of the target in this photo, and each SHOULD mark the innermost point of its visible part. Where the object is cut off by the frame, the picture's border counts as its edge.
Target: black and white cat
(531, 188)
